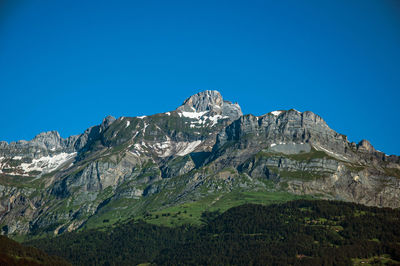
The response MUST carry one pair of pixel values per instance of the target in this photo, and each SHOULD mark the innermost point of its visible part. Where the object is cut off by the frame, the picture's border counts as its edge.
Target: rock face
(129, 165)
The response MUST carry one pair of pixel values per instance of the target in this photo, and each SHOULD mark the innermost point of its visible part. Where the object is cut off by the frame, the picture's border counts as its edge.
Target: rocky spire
(211, 101)
(365, 145)
(48, 140)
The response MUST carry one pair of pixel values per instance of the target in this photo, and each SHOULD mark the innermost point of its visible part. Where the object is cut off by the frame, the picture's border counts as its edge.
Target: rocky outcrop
(177, 167)
(286, 127)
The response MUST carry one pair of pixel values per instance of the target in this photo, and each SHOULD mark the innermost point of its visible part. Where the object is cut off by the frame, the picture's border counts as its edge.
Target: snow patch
(12, 173)
(135, 153)
(137, 132)
(284, 143)
(279, 143)
(190, 146)
(141, 117)
(168, 113)
(336, 155)
(144, 128)
(195, 115)
(214, 119)
(168, 147)
(127, 124)
(47, 164)
(17, 158)
(138, 147)
(203, 120)
(276, 113)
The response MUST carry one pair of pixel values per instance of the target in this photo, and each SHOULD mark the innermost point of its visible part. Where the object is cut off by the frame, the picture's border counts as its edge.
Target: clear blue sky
(65, 65)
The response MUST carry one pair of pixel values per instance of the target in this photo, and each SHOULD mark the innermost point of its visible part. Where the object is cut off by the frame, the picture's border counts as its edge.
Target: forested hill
(294, 233)
(13, 253)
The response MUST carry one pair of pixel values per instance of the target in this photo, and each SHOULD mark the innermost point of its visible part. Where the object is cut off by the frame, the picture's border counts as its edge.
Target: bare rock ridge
(51, 141)
(126, 166)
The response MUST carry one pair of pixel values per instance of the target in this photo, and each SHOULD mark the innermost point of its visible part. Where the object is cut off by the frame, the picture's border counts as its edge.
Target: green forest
(301, 232)
(13, 253)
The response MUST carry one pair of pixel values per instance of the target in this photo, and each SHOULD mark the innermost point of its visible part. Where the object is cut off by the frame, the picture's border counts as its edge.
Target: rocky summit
(205, 149)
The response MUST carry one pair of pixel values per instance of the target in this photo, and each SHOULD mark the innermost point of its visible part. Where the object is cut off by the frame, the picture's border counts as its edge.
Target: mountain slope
(205, 148)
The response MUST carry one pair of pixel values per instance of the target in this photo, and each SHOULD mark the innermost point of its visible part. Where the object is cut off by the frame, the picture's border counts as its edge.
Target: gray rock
(290, 148)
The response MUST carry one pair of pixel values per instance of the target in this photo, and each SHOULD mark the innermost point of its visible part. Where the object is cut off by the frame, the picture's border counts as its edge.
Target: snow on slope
(47, 164)
(188, 147)
(201, 118)
(194, 115)
(165, 148)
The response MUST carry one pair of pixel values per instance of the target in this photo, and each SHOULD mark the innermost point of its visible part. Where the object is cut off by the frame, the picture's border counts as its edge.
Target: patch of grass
(190, 213)
(376, 260)
(300, 175)
(358, 213)
(303, 156)
(114, 212)
(16, 181)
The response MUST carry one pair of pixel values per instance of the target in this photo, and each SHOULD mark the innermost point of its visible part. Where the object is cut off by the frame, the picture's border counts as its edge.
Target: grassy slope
(189, 212)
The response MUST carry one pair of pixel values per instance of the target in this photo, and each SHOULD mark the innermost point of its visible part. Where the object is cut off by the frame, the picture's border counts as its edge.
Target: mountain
(204, 154)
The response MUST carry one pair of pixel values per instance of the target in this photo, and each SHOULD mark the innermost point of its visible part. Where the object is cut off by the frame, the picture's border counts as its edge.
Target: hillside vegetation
(13, 253)
(299, 232)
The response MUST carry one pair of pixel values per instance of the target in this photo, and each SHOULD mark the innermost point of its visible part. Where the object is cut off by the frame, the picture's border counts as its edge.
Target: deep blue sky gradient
(65, 65)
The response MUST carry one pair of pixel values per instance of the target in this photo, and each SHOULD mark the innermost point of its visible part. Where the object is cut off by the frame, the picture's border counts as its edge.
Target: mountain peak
(203, 101)
(47, 137)
(211, 101)
(107, 122)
